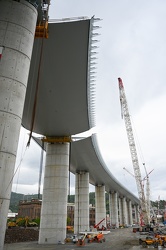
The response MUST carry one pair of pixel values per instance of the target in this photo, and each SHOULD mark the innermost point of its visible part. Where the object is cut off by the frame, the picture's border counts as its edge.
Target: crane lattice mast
(137, 173)
(148, 203)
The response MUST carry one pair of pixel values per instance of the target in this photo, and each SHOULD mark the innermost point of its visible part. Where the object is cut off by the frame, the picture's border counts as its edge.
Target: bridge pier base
(55, 192)
(17, 29)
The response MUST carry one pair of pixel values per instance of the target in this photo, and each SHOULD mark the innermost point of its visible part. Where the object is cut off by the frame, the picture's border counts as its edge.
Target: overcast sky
(132, 45)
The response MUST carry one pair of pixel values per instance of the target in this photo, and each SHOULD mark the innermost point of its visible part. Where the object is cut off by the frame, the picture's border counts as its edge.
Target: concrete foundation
(17, 28)
(81, 213)
(55, 191)
(100, 212)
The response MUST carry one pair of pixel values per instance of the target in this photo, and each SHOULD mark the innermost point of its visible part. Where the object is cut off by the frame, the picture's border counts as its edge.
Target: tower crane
(137, 172)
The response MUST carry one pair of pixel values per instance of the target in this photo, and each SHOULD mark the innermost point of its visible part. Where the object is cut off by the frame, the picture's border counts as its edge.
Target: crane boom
(137, 173)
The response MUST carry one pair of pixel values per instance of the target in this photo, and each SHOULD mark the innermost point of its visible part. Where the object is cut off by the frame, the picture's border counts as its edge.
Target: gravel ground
(117, 239)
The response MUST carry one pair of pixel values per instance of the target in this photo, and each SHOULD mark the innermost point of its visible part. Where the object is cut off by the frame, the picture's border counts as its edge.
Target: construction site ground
(117, 239)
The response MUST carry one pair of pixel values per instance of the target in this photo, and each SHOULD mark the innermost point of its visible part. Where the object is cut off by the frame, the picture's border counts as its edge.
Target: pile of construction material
(21, 235)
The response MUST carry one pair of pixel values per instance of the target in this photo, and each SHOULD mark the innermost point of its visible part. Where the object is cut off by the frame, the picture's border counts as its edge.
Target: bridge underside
(58, 98)
(85, 155)
(58, 81)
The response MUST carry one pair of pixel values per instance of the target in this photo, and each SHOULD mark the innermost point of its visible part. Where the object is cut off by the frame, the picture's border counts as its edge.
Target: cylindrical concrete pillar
(134, 220)
(130, 212)
(81, 213)
(114, 209)
(17, 28)
(100, 211)
(55, 191)
(137, 214)
(120, 212)
(110, 208)
(125, 214)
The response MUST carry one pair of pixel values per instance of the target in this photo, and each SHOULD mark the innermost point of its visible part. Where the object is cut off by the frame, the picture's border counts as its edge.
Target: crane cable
(40, 169)
(14, 174)
(36, 95)
(38, 78)
(17, 168)
(21, 160)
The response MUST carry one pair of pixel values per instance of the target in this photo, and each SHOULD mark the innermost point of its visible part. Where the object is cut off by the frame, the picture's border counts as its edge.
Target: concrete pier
(55, 191)
(125, 214)
(81, 213)
(113, 197)
(130, 212)
(137, 214)
(120, 212)
(17, 29)
(100, 212)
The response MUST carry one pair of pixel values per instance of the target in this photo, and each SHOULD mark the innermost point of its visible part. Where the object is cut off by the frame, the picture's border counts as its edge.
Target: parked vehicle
(151, 241)
(75, 239)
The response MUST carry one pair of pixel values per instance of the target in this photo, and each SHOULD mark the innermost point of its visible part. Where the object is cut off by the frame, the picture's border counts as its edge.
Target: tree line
(16, 197)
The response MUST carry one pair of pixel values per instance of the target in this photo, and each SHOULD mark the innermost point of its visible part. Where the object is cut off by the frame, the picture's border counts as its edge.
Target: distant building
(11, 215)
(32, 209)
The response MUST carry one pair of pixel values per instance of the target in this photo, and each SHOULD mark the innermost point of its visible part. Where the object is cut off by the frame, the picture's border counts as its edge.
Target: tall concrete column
(55, 191)
(125, 214)
(137, 214)
(130, 213)
(114, 209)
(120, 212)
(81, 213)
(100, 207)
(17, 28)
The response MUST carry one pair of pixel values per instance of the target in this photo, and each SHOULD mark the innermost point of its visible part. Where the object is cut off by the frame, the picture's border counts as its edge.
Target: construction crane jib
(137, 173)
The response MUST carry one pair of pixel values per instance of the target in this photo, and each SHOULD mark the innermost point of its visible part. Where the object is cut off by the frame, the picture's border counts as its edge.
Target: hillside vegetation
(16, 197)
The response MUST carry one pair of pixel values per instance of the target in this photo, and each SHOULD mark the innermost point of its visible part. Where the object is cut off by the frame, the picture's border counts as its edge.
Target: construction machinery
(96, 238)
(147, 197)
(137, 173)
(42, 20)
(148, 203)
(81, 240)
(97, 225)
(155, 241)
(151, 241)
